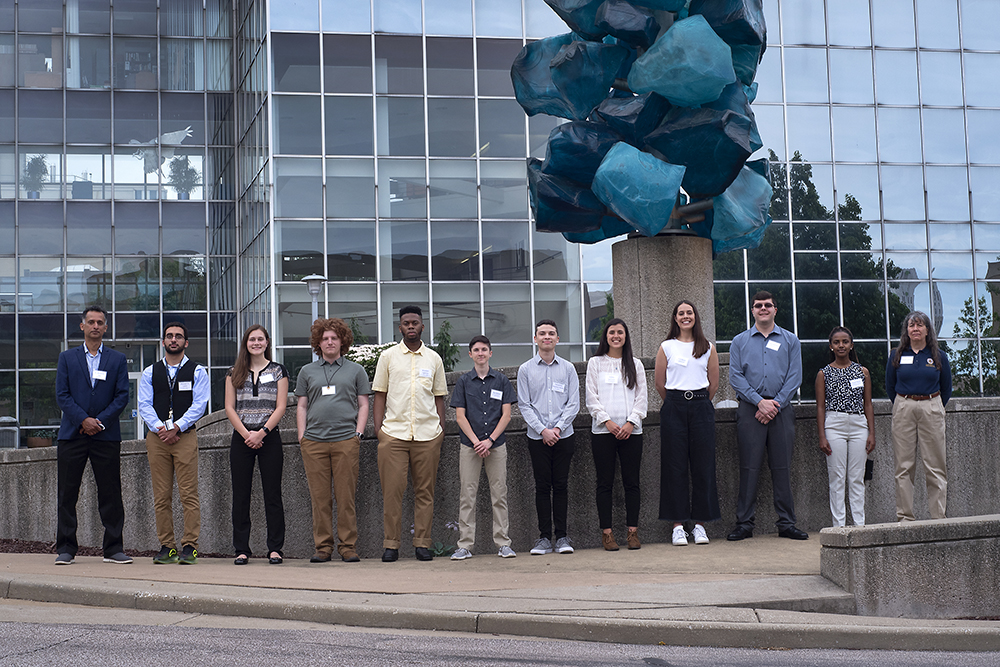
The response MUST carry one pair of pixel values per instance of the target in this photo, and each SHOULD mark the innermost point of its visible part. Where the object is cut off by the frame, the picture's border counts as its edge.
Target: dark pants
(687, 454)
(755, 439)
(606, 448)
(105, 461)
(551, 468)
(270, 460)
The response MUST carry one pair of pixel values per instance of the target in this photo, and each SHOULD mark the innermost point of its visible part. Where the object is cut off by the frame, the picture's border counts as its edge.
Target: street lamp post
(314, 283)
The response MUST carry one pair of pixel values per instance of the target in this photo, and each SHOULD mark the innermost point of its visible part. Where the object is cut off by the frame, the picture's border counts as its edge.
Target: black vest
(161, 390)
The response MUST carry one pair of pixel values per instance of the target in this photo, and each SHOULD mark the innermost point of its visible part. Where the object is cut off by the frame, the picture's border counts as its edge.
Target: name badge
(425, 373)
(857, 383)
(611, 378)
(100, 375)
(266, 377)
(559, 387)
(906, 360)
(773, 345)
(496, 394)
(329, 390)
(681, 361)
(184, 385)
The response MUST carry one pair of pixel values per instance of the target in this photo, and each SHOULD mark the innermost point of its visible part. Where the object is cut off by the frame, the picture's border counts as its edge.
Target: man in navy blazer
(92, 390)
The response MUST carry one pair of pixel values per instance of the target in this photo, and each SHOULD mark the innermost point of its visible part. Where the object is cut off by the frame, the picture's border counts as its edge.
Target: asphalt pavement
(765, 592)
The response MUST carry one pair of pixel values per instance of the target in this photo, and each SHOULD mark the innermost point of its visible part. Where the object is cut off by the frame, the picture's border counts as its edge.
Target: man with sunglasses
(765, 370)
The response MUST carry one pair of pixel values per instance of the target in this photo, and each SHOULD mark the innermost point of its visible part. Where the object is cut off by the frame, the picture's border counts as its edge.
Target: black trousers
(105, 461)
(270, 460)
(606, 449)
(551, 468)
(755, 439)
(688, 489)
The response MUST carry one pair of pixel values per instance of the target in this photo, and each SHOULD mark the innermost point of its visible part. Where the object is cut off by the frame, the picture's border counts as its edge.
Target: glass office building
(194, 159)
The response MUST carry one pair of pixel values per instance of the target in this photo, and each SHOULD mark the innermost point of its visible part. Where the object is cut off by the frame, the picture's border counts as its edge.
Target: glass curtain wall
(116, 173)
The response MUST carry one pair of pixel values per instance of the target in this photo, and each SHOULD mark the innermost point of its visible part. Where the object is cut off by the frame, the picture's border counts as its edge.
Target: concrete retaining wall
(946, 568)
(28, 485)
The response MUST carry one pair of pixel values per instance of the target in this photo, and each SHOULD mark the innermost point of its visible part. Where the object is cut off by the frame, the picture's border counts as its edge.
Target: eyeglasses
(174, 337)
(763, 306)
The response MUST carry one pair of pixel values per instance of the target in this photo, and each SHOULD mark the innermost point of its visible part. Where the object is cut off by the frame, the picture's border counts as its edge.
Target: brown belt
(921, 397)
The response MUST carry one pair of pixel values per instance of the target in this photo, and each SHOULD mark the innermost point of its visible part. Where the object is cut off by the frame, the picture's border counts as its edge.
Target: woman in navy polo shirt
(918, 381)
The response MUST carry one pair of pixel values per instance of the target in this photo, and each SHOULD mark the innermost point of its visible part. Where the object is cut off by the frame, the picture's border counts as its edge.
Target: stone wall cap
(912, 532)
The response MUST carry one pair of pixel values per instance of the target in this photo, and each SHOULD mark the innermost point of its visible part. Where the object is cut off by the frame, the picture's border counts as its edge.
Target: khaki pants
(469, 466)
(919, 423)
(164, 461)
(421, 457)
(337, 462)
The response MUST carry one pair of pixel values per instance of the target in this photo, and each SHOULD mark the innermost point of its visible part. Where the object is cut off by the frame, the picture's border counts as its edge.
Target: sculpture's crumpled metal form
(659, 93)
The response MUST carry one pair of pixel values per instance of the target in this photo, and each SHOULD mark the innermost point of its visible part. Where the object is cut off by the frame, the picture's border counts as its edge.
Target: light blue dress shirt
(199, 399)
(757, 370)
(548, 396)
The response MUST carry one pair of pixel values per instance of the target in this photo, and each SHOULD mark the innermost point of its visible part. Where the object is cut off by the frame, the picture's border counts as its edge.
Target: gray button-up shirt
(548, 396)
(483, 400)
(757, 370)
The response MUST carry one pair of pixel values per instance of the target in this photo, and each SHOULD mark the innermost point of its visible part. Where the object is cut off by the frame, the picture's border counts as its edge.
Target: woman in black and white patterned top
(846, 424)
(256, 397)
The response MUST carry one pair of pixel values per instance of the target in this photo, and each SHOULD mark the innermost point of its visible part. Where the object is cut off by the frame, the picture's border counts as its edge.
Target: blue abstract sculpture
(659, 93)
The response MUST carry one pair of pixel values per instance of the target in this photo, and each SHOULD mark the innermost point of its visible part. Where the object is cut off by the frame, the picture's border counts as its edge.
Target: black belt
(687, 394)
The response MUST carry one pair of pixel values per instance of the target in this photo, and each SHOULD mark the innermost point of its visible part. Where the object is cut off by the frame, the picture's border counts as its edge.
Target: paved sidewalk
(762, 592)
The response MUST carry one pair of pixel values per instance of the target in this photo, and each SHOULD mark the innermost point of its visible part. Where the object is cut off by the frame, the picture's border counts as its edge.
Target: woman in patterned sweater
(256, 397)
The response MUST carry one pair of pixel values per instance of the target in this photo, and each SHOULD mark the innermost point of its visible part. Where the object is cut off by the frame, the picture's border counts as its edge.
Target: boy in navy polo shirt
(482, 400)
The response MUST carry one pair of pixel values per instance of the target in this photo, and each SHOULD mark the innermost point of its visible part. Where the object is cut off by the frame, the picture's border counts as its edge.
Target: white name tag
(169, 424)
(559, 386)
(496, 394)
(266, 377)
(100, 375)
(425, 373)
(857, 383)
(906, 360)
(184, 385)
(773, 345)
(329, 390)
(681, 361)
(611, 378)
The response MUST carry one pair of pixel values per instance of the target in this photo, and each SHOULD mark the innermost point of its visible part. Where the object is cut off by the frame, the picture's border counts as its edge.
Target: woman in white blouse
(686, 376)
(616, 400)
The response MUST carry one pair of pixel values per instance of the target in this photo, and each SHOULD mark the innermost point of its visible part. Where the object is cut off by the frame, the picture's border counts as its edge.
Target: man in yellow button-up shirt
(409, 391)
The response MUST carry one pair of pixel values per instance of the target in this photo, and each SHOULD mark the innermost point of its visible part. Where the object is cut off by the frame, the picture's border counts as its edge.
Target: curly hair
(337, 326)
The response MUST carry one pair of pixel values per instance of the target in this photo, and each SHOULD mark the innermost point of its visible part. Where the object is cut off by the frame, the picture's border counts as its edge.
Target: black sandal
(242, 559)
(275, 560)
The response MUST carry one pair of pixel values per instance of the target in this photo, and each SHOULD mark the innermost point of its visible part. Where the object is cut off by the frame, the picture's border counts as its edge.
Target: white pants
(847, 434)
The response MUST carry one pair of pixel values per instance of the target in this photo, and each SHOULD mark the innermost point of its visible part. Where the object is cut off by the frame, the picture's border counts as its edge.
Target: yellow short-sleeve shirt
(411, 381)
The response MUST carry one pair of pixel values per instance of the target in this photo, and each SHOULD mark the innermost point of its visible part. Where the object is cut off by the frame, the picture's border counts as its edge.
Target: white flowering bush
(367, 356)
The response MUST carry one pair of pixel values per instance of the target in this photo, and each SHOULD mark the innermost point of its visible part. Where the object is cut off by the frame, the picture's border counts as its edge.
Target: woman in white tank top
(686, 377)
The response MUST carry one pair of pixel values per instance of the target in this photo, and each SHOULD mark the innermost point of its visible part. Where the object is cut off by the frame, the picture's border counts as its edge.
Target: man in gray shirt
(548, 395)
(331, 416)
(765, 369)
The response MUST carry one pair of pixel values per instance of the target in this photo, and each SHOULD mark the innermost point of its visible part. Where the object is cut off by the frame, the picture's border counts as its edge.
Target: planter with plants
(183, 177)
(36, 172)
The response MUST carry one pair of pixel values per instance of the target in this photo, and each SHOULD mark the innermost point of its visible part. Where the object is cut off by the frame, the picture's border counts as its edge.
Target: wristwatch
(359, 434)
(266, 430)
(490, 438)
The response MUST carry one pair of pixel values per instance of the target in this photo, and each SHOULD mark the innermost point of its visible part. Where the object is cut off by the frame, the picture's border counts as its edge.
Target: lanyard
(171, 382)
(329, 378)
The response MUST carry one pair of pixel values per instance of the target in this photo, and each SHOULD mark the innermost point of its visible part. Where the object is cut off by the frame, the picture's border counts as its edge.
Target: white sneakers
(461, 554)
(699, 534)
(679, 537)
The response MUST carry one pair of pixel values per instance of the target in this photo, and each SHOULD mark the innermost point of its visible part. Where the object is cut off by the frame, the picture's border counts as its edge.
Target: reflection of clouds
(597, 260)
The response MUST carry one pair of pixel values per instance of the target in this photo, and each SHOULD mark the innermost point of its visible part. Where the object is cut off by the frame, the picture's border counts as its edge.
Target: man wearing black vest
(173, 393)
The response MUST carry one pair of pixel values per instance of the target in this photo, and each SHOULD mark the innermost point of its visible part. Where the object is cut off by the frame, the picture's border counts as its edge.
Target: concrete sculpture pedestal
(651, 275)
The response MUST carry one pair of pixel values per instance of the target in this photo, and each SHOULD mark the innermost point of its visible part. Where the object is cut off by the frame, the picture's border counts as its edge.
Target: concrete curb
(802, 630)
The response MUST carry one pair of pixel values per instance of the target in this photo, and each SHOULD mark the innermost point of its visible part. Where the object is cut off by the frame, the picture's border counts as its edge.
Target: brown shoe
(320, 557)
(633, 539)
(608, 540)
(349, 556)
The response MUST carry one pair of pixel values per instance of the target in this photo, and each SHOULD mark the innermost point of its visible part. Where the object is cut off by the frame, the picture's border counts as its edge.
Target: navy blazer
(78, 400)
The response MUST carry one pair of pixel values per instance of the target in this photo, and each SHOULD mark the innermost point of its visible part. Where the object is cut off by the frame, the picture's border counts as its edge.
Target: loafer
(793, 533)
(740, 533)
(350, 556)
(64, 559)
(118, 559)
(242, 559)
(320, 557)
(423, 553)
(276, 560)
(390, 555)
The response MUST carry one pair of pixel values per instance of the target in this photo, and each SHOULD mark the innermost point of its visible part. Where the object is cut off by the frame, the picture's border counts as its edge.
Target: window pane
(135, 119)
(88, 282)
(40, 287)
(730, 310)
(137, 229)
(851, 77)
(183, 228)
(184, 285)
(986, 193)
(356, 305)
(809, 132)
(503, 189)
(182, 65)
(89, 62)
(896, 76)
(771, 125)
(899, 135)
(88, 117)
(184, 110)
(803, 22)
(449, 66)
(561, 302)
(405, 119)
(941, 78)
(505, 251)
(860, 266)
(182, 18)
(298, 188)
(40, 116)
(402, 192)
(38, 402)
(980, 90)
(39, 16)
(862, 184)
(349, 126)
(979, 21)
(347, 15)
(347, 63)
(902, 193)
(816, 266)
(982, 123)
(403, 246)
(350, 250)
(297, 125)
(453, 189)
(507, 313)
(805, 75)
(818, 307)
(135, 17)
(89, 173)
(540, 20)
(812, 204)
(555, 258)
(899, 236)
(399, 64)
(947, 193)
(88, 228)
(397, 16)
(8, 126)
(498, 18)
(951, 237)
(39, 64)
(295, 62)
(455, 253)
(135, 63)
(41, 228)
(298, 245)
(495, 58)
(954, 297)
(448, 17)
(893, 22)
(350, 188)
(294, 14)
(771, 260)
(769, 79)
(501, 128)
(951, 265)
(849, 24)
(854, 134)
(451, 127)
(944, 135)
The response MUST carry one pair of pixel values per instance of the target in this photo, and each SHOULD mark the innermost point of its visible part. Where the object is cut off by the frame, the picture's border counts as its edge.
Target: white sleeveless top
(684, 372)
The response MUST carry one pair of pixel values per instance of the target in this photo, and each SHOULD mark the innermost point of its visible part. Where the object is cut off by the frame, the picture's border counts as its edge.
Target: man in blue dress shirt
(765, 370)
